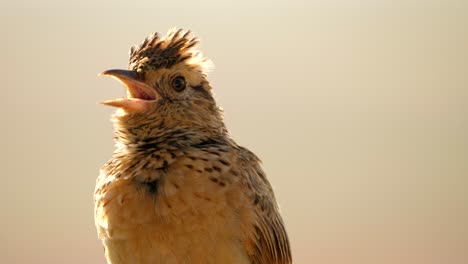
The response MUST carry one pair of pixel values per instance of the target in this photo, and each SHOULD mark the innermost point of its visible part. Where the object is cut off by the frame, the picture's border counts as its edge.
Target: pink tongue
(140, 94)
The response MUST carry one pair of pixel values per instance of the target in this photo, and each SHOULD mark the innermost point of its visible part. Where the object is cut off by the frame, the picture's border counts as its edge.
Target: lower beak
(139, 93)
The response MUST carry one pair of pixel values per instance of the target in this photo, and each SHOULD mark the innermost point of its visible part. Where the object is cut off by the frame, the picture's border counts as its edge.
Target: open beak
(139, 94)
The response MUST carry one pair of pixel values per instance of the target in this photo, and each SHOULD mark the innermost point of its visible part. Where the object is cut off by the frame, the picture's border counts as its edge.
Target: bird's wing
(264, 236)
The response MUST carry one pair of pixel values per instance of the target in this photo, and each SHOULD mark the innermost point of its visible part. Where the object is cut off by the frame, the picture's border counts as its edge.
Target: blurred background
(358, 110)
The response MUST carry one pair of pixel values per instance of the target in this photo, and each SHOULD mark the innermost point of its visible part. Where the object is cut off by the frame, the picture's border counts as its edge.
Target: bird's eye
(178, 84)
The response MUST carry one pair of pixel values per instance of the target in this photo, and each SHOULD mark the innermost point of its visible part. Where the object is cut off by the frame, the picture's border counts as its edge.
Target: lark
(177, 188)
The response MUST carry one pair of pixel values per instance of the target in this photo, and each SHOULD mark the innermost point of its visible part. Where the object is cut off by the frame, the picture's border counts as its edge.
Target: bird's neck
(162, 134)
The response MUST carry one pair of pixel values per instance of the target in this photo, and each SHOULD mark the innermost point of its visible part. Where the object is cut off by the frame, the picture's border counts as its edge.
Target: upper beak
(138, 91)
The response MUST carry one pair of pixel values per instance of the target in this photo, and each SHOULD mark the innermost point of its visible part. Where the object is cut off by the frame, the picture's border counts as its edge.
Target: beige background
(357, 108)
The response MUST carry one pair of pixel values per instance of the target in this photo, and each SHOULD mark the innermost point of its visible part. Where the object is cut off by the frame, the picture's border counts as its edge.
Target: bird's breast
(186, 215)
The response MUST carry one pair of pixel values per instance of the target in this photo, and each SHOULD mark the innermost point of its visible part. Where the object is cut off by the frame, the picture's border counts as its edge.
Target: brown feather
(178, 189)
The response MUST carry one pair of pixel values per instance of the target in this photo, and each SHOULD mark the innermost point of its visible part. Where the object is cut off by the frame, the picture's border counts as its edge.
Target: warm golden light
(357, 109)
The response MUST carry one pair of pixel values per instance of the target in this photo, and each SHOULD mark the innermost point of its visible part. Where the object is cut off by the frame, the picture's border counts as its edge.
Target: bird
(178, 188)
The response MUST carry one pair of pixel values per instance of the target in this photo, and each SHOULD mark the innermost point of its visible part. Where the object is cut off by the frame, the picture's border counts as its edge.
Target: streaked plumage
(178, 189)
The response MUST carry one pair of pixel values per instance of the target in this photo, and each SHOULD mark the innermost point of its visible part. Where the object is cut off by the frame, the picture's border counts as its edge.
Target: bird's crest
(178, 46)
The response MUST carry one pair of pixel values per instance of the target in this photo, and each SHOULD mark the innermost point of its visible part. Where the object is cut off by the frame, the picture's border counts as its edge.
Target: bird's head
(166, 83)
